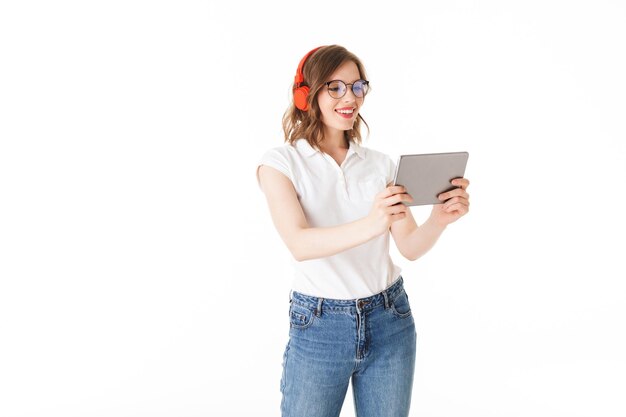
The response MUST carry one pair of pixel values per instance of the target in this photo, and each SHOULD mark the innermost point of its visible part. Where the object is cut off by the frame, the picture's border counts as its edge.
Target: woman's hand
(456, 204)
(387, 208)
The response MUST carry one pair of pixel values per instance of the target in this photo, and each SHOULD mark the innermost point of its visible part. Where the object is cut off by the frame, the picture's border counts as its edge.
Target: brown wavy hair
(308, 124)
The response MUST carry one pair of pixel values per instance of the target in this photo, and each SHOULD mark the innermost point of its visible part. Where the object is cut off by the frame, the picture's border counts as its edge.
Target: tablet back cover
(425, 176)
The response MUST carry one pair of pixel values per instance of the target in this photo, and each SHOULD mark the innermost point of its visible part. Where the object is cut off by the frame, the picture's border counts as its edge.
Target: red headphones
(300, 93)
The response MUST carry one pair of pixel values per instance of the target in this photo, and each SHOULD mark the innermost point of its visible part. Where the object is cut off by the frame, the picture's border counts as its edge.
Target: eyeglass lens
(338, 88)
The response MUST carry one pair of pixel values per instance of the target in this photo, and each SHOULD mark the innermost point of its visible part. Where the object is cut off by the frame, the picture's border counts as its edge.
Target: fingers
(459, 207)
(396, 217)
(394, 195)
(457, 199)
(394, 189)
(397, 212)
(397, 200)
(396, 208)
(461, 182)
(456, 204)
(457, 192)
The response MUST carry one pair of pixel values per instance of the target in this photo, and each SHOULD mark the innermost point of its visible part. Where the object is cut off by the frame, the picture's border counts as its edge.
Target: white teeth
(346, 111)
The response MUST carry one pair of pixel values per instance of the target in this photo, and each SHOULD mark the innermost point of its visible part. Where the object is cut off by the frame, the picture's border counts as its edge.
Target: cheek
(323, 103)
(325, 107)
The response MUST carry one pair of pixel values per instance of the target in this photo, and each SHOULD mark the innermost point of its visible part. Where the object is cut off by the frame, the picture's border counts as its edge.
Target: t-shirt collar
(307, 150)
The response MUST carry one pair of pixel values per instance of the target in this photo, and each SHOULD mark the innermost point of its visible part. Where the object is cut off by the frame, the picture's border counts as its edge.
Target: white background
(141, 274)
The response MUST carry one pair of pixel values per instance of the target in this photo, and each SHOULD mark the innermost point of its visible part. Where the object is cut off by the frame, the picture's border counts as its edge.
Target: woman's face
(339, 114)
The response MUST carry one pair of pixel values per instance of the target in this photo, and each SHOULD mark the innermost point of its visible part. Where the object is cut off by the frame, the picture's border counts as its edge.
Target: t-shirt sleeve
(277, 160)
(391, 169)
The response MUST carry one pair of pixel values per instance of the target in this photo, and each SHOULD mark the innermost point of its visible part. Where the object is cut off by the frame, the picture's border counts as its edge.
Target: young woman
(330, 202)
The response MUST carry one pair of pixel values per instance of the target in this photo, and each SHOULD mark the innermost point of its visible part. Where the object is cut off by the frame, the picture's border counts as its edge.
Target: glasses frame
(365, 83)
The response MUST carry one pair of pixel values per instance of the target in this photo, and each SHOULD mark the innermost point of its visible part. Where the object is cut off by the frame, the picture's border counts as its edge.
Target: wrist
(433, 223)
(368, 227)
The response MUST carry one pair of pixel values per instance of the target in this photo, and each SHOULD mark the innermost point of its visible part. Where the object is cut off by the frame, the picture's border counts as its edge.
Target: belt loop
(290, 297)
(318, 310)
(386, 299)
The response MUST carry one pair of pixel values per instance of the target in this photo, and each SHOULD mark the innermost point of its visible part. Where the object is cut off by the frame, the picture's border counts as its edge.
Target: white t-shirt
(331, 195)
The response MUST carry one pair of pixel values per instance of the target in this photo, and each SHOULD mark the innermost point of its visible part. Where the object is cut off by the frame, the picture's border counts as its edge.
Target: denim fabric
(371, 340)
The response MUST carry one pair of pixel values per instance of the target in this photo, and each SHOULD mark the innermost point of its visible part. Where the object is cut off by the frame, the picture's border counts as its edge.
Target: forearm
(319, 242)
(422, 239)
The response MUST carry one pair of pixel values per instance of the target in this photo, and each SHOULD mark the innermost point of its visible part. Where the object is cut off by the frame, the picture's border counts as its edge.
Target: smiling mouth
(345, 113)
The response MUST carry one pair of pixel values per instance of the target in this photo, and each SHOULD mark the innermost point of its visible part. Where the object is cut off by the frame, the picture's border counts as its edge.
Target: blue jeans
(371, 340)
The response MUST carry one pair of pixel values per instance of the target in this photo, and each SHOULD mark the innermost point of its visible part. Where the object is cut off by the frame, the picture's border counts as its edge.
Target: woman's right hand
(387, 208)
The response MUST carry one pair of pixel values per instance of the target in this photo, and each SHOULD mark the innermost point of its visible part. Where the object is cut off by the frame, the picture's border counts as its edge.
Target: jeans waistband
(384, 297)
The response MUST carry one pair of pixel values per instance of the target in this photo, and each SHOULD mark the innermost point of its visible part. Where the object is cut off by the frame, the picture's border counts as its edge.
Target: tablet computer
(425, 176)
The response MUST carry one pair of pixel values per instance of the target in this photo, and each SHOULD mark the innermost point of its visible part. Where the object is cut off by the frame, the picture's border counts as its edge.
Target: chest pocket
(366, 189)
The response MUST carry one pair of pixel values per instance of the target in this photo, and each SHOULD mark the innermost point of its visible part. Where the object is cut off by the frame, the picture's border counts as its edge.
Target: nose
(349, 96)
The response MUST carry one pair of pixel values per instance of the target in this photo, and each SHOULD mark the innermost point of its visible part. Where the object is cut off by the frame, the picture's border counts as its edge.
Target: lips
(345, 112)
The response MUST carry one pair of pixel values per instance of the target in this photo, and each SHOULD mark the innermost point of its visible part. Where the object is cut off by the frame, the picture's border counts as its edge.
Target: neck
(334, 140)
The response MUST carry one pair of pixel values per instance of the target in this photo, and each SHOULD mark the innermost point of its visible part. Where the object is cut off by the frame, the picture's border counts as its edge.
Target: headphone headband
(299, 75)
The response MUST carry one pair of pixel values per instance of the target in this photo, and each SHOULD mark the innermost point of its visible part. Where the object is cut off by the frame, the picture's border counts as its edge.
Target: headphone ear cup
(300, 95)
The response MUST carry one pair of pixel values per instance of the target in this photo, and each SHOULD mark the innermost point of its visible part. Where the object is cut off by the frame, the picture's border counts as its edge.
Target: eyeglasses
(338, 88)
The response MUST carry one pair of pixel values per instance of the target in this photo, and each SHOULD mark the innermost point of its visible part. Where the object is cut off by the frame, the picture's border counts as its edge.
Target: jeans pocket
(300, 317)
(400, 306)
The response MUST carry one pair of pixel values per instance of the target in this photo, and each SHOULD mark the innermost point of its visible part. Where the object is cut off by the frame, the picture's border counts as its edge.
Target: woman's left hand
(456, 206)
